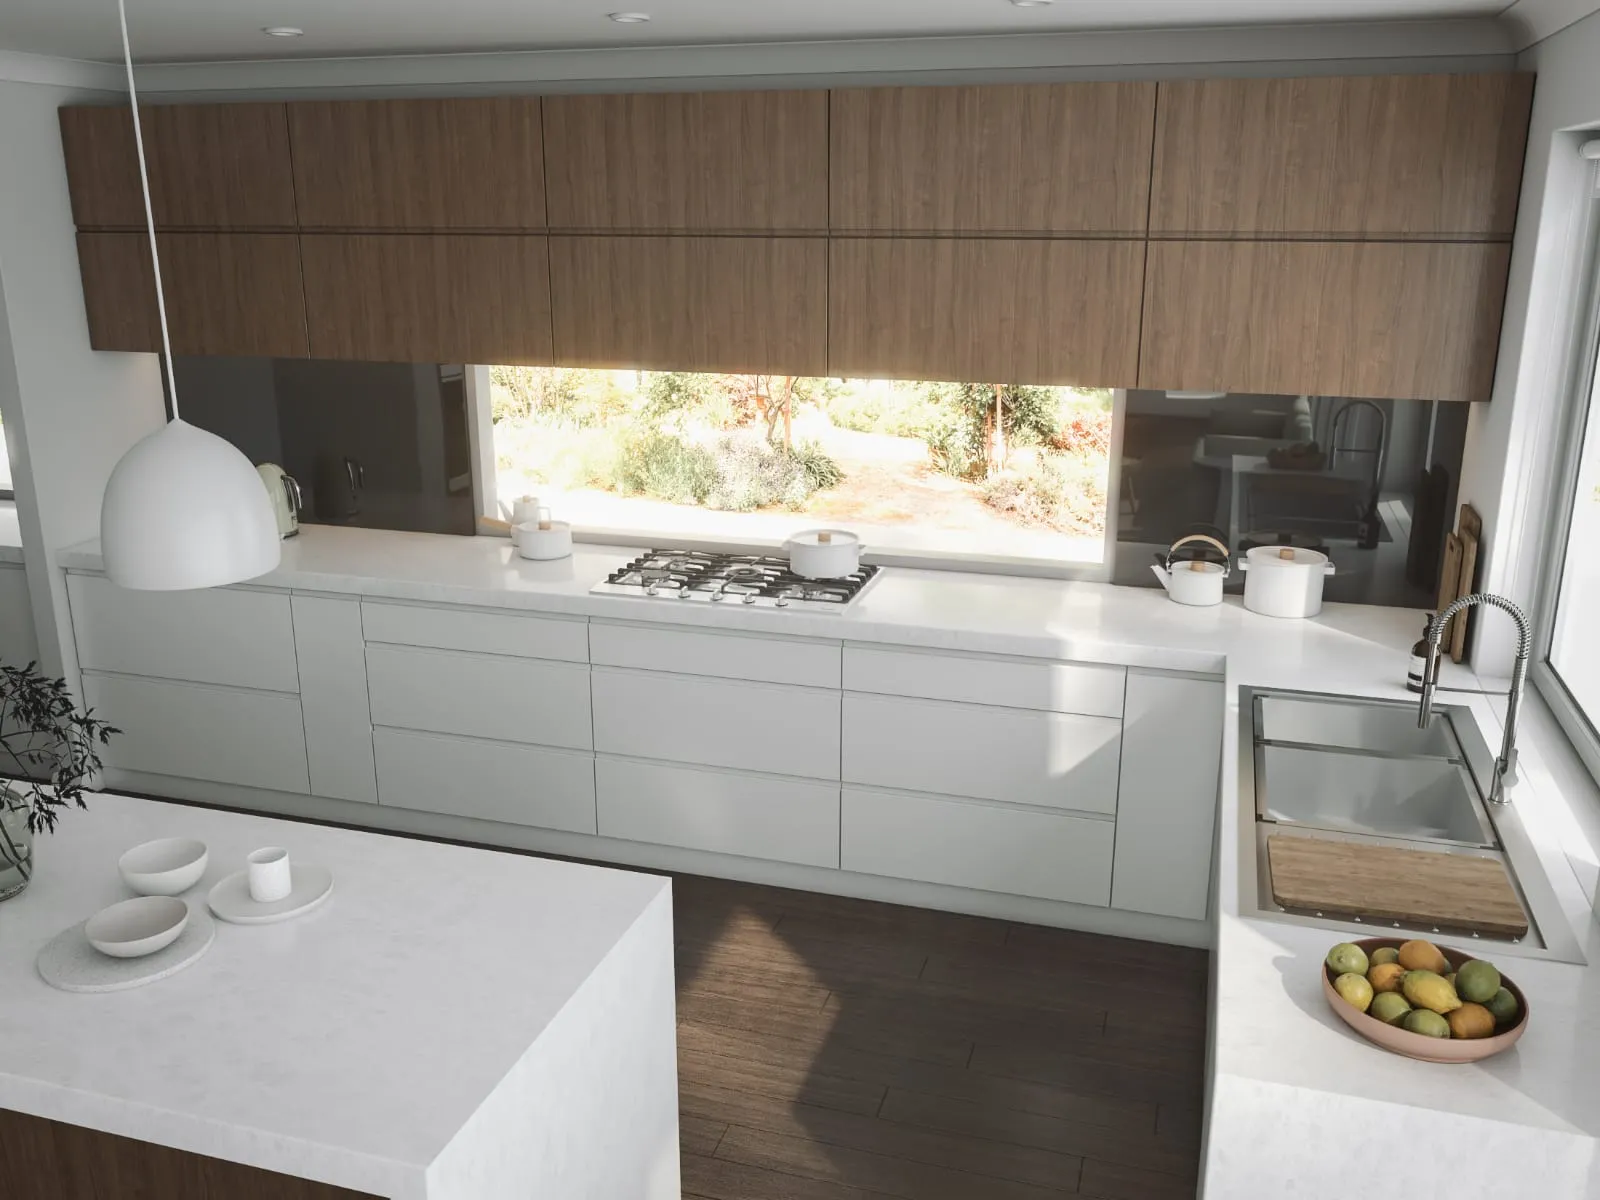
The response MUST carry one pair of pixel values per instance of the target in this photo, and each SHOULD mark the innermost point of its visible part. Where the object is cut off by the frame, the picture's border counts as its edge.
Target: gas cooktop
(731, 579)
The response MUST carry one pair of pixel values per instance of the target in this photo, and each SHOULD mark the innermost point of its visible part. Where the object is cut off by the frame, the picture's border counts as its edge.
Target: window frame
(1580, 407)
(490, 504)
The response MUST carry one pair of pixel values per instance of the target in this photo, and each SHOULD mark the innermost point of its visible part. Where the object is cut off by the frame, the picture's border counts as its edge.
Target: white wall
(1512, 440)
(70, 412)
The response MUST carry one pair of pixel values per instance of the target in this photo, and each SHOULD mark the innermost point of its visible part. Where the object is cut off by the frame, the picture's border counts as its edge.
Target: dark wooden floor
(833, 1049)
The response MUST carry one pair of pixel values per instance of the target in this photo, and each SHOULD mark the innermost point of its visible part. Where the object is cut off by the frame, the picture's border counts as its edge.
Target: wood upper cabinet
(688, 162)
(1376, 156)
(1031, 158)
(419, 164)
(753, 304)
(988, 310)
(227, 293)
(212, 166)
(1400, 320)
(476, 298)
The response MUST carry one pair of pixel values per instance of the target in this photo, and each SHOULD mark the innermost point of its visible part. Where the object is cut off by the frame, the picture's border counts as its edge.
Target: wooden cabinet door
(690, 303)
(419, 164)
(985, 310)
(227, 293)
(473, 298)
(212, 166)
(1375, 156)
(1028, 158)
(688, 162)
(1400, 320)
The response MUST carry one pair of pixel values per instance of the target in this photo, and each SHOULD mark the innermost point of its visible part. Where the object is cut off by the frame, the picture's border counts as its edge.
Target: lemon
(1355, 989)
(1347, 958)
(1389, 1007)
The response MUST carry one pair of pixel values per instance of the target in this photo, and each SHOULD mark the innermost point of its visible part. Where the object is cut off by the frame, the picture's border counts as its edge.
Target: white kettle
(1196, 583)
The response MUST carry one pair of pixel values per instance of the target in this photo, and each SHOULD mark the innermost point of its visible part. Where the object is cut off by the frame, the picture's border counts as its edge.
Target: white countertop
(1298, 1097)
(350, 1045)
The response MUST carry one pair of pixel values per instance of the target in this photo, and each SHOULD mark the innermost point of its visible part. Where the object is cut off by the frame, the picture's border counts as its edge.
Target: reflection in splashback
(375, 445)
(1372, 484)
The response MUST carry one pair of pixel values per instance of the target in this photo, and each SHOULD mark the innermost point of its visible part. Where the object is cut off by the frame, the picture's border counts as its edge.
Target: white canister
(1284, 581)
(543, 539)
(1195, 583)
(824, 553)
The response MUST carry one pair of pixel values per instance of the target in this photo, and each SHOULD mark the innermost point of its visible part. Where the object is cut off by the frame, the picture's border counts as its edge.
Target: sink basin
(1376, 727)
(1353, 766)
(1415, 799)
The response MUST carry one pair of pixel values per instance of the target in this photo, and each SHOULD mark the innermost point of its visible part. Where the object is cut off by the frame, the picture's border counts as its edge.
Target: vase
(16, 844)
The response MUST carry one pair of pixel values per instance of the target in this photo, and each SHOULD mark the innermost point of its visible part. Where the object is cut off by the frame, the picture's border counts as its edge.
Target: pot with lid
(1194, 581)
(824, 553)
(1284, 581)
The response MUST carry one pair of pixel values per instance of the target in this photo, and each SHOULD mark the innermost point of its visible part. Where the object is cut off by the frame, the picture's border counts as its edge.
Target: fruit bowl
(1416, 1045)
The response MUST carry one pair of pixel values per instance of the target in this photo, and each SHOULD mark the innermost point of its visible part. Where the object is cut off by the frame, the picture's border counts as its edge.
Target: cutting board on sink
(1419, 888)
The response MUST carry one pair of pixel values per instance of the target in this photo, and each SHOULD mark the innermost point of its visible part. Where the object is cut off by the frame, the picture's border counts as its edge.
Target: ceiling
(188, 30)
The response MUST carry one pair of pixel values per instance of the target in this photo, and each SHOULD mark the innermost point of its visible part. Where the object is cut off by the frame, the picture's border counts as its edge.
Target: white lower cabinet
(333, 697)
(480, 695)
(1022, 852)
(200, 731)
(757, 816)
(1052, 760)
(493, 781)
(1167, 811)
(717, 722)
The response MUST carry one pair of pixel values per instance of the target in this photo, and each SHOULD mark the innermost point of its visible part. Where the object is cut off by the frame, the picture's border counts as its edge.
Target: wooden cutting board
(1461, 622)
(1449, 583)
(1390, 883)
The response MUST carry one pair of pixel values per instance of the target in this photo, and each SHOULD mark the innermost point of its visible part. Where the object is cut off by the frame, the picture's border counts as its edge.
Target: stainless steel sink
(1364, 767)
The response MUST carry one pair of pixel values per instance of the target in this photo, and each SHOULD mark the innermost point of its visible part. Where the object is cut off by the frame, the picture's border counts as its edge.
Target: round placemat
(70, 963)
(230, 898)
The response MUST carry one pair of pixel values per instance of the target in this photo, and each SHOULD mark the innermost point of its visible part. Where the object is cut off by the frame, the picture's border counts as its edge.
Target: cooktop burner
(730, 578)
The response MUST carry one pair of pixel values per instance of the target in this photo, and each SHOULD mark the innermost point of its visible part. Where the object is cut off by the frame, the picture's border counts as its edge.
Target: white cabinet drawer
(210, 635)
(1018, 851)
(1082, 688)
(1051, 760)
(479, 695)
(785, 820)
(562, 639)
(727, 655)
(494, 781)
(195, 731)
(715, 722)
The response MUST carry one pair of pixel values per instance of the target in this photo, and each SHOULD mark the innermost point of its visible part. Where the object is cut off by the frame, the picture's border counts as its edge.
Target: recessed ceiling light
(283, 31)
(629, 18)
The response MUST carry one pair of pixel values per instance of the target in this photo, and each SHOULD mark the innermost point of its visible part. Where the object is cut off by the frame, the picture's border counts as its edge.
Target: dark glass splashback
(376, 445)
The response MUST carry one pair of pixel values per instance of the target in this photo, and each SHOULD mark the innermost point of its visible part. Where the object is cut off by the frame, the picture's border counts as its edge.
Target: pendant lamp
(183, 507)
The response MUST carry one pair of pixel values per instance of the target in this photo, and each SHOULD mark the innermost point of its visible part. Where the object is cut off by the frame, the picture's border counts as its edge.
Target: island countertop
(452, 1022)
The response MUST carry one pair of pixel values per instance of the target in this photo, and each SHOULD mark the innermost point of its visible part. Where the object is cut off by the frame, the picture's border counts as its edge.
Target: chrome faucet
(1505, 767)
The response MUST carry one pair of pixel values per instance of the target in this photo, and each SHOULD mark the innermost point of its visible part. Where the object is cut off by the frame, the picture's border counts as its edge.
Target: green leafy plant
(49, 750)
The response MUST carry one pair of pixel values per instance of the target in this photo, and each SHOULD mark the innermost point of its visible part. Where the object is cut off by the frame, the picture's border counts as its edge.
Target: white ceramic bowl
(137, 927)
(164, 867)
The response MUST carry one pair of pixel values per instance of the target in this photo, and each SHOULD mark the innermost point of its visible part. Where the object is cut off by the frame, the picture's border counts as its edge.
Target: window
(922, 470)
(6, 490)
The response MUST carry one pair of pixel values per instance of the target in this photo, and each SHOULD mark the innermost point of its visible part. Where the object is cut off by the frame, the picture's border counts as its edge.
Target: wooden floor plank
(1047, 940)
(721, 1179)
(1088, 1074)
(891, 1175)
(811, 1026)
(782, 1081)
(978, 1156)
(699, 1136)
(1116, 1181)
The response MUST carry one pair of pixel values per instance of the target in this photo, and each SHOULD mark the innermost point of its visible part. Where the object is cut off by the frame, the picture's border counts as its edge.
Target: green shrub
(752, 475)
(820, 469)
(664, 467)
(581, 399)
(1057, 491)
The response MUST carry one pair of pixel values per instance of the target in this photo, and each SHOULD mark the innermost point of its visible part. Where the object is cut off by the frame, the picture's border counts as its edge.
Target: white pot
(1195, 583)
(824, 553)
(543, 539)
(1284, 581)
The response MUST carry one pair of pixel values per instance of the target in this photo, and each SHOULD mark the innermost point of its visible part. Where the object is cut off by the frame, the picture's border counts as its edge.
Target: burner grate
(739, 578)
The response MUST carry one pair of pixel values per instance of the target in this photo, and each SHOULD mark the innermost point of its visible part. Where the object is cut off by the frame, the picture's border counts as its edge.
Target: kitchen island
(451, 1023)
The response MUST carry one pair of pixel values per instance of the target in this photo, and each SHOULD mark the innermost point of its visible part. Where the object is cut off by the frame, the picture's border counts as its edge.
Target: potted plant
(48, 755)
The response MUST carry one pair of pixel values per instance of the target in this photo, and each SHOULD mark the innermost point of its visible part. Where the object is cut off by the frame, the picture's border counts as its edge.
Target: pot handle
(1328, 570)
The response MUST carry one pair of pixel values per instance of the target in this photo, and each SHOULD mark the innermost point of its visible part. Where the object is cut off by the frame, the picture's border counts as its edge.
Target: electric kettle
(284, 493)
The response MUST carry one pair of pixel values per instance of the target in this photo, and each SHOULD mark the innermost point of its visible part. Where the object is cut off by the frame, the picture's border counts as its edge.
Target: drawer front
(333, 697)
(195, 731)
(1085, 689)
(727, 655)
(493, 781)
(1047, 759)
(1012, 850)
(785, 820)
(211, 635)
(483, 632)
(477, 695)
(745, 726)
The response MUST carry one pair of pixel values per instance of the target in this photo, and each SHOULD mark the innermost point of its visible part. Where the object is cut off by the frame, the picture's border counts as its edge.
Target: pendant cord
(149, 213)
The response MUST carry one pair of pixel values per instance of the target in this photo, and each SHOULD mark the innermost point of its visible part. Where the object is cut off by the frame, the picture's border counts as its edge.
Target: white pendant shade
(185, 509)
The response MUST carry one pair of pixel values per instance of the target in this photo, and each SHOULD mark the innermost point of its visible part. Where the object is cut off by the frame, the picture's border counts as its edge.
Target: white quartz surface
(350, 1045)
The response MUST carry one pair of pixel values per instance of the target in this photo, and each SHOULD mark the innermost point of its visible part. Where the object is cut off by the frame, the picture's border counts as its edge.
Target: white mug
(269, 874)
(525, 509)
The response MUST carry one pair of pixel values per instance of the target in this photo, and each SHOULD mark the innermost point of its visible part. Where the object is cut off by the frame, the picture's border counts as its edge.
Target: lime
(1504, 1006)
(1428, 1024)
(1477, 981)
(1347, 958)
(1389, 1007)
